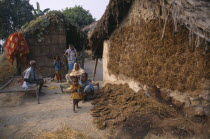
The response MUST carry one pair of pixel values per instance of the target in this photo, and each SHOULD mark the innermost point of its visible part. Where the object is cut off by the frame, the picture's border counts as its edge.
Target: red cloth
(16, 45)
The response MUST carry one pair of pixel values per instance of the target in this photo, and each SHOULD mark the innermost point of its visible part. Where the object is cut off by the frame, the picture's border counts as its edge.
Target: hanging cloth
(16, 46)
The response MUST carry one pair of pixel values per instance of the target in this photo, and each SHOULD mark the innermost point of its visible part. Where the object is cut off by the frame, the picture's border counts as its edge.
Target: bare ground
(55, 112)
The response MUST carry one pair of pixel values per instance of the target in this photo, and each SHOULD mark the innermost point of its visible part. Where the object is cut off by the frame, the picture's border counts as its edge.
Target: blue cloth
(71, 54)
(71, 66)
(58, 65)
(87, 86)
(31, 75)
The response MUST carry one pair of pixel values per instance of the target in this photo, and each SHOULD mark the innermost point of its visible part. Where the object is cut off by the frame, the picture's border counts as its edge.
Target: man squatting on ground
(31, 79)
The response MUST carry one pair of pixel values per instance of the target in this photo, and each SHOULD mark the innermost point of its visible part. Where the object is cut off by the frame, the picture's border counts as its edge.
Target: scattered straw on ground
(63, 134)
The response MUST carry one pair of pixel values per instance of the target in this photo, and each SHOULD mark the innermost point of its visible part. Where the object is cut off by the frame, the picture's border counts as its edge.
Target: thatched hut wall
(151, 49)
(50, 35)
(54, 43)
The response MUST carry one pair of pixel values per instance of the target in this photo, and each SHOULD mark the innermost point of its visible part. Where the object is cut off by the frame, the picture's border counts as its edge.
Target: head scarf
(77, 72)
(32, 62)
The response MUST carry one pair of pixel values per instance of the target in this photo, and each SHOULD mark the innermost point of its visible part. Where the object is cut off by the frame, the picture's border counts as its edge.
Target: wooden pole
(18, 66)
(5, 85)
(94, 71)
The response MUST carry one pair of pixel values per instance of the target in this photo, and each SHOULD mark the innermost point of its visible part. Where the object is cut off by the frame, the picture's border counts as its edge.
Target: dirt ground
(30, 120)
(55, 112)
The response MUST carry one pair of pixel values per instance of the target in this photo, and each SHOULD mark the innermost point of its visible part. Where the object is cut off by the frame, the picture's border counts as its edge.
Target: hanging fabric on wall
(16, 46)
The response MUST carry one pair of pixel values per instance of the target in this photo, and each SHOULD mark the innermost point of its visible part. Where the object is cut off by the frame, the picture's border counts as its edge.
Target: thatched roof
(89, 28)
(40, 27)
(194, 14)
(114, 14)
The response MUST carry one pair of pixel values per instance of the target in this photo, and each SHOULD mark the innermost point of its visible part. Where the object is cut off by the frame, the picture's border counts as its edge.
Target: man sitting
(31, 79)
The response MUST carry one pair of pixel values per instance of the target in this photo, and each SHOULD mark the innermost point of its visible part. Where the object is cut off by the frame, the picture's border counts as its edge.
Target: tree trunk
(18, 66)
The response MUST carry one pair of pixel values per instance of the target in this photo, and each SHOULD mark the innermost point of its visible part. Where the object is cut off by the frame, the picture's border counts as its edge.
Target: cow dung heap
(116, 103)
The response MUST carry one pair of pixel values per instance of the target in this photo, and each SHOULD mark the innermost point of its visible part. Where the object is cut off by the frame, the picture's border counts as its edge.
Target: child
(87, 87)
(76, 95)
(57, 66)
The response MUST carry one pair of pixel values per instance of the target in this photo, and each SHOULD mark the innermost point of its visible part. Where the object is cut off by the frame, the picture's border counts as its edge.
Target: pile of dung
(62, 134)
(178, 61)
(116, 103)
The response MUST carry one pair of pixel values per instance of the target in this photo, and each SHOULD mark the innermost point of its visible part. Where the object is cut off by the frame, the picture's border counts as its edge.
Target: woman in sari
(76, 72)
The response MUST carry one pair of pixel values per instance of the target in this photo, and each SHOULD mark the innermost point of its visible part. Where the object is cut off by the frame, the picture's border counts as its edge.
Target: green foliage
(38, 12)
(14, 14)
(38, 27)
(79, 16)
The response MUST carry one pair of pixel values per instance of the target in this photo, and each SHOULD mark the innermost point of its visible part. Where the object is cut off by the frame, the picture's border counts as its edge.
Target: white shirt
(30, 74)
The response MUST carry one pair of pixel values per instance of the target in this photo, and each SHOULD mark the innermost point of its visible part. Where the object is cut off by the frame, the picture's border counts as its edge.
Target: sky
(96, 7)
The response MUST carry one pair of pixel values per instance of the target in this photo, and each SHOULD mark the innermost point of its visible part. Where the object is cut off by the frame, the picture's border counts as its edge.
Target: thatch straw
(194, 14)
(66, 133)
(114, 14)
(39, 28)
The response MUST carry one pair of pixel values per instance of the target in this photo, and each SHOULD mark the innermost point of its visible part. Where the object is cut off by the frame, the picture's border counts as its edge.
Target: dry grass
(114, 14)
(6, 69)
(65, 133)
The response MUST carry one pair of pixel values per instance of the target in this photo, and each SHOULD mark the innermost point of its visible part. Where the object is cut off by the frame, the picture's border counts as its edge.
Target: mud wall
(147, 50)
(138, 50)
(54, 43)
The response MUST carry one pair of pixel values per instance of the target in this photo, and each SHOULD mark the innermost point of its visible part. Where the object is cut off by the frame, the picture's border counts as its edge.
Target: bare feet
(79, 107)
(75, 111)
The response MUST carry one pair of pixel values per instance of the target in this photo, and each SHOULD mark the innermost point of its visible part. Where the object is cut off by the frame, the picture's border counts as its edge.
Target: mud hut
(49, 35)
(161, 43)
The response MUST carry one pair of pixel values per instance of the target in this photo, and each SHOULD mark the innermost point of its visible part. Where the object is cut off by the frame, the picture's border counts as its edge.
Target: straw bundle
(62, 134)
